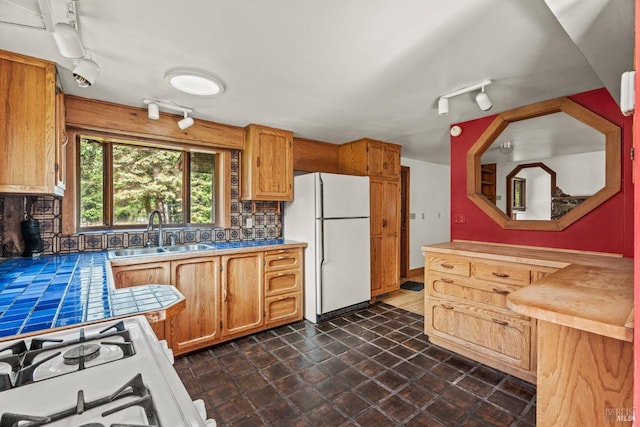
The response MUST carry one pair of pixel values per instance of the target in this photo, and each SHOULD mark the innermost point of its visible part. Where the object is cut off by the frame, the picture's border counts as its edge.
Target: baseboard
(416, 272)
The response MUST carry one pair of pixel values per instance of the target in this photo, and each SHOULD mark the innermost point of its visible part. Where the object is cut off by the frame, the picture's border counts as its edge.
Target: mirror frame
(613, 177)
(515, 171)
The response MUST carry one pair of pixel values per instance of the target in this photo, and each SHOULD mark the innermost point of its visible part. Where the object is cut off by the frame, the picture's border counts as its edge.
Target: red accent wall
(608, 228)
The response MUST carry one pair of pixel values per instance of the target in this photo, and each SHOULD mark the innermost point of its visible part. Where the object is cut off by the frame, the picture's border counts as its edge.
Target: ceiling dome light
(194, 83)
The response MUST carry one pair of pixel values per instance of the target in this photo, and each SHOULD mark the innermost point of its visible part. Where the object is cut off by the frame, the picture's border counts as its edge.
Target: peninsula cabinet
(381, 162)
(32, 137)
(267, 164)
(227, 296)
(466, 310)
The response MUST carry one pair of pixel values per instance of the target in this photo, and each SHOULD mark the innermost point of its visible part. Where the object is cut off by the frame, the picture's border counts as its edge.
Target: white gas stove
(113, 373)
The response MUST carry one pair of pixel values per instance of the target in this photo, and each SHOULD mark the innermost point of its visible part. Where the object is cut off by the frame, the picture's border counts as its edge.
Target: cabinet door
(489, 334)
(391, 162)
(376, 158)
(242, 293)
(27, 134)
(283, 309)
(125, 276)
(385, 234)
(62, 139)
(197, 326)
(267, 164)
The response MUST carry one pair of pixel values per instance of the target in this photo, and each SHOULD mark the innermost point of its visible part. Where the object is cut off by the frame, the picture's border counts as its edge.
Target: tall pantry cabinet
(381, 162)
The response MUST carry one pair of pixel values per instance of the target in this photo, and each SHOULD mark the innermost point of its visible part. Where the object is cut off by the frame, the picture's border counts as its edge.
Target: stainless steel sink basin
(120, 253)
(187, 248)
(137, 251)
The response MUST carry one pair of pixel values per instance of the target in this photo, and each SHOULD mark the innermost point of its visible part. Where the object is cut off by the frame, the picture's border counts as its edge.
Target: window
(121, 183)
(519, 194)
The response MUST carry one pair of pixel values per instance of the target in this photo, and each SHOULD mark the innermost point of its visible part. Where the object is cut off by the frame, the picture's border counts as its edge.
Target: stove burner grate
(134, 387)
(81, 354)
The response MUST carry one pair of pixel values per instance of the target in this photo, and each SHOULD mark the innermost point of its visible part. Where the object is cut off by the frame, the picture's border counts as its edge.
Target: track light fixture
(86, 72)
(185, 123)
(482, 99)
(153, 110)
(68, 41)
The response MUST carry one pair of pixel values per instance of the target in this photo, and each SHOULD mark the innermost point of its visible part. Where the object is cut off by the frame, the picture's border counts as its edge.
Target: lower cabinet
(227, 296)
(242, 293)
(198, 279)
(466, 310)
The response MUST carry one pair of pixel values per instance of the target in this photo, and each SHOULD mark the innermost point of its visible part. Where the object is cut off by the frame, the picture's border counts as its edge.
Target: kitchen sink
(187, 248)
(120, 253)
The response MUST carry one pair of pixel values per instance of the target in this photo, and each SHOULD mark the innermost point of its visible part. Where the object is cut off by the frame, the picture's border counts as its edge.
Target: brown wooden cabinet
(267, 164)
(381, 162)
(198, 279)
(227, 296)
(466, 310)
(242, 293)
(144, 273)
(488, 181)
(28, 135)
(283, 286)
(370, 157)
(385, 235)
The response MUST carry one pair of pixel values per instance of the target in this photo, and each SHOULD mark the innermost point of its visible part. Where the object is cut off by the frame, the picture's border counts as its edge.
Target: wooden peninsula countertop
(591, 292)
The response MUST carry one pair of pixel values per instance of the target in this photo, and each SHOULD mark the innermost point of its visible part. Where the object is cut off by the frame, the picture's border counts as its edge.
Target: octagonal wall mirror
(579, 146)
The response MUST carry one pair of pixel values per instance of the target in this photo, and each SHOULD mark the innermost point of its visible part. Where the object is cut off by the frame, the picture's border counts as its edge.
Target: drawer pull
(445, 265)
(500, 291)
(500, 322)
(445, 280)
(502, 275)
(446, 306)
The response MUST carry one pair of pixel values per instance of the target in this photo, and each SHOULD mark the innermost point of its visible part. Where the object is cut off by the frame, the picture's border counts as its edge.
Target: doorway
(405, 173)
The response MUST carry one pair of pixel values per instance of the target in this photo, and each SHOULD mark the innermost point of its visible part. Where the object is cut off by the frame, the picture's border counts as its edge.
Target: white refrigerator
(331, 213)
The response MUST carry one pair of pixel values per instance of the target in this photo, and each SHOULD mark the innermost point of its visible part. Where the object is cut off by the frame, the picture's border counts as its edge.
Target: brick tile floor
(370, 368)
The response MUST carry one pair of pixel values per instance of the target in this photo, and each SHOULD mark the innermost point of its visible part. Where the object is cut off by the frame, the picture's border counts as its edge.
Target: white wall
(430, 201)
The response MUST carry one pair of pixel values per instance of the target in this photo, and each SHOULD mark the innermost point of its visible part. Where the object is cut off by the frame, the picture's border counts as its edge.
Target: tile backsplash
(267, 224)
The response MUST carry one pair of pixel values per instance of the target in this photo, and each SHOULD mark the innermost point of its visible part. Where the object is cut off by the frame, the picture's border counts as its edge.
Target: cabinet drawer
(514, 274)
(278, 282)
(494, 335)
(284, 259)
(449, 264)
(493, 294)
(283, 309)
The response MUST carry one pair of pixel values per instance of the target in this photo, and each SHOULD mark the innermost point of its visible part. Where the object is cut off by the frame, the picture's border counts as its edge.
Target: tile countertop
(56, 291)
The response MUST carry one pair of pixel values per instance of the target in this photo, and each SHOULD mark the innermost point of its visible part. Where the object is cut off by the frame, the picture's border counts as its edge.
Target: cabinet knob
(502, 275)
(445, 265)
(445, 280)
(500, 291)
(446, 306)
(500, 322)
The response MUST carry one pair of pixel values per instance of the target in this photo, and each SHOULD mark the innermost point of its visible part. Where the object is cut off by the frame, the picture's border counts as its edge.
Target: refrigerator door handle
(321, 201)
(320, 267)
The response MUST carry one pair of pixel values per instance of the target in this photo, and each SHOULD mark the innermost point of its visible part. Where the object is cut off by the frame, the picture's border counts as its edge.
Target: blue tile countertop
(61, 290)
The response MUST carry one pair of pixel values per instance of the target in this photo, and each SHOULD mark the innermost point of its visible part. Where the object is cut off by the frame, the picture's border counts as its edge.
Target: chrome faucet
(150, 226)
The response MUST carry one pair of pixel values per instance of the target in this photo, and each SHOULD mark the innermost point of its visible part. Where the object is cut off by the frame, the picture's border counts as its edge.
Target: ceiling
(336, 70)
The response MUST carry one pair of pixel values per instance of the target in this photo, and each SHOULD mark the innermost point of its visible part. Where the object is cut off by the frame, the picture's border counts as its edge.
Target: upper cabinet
(30, 141)
(267, 164)
(369, 157)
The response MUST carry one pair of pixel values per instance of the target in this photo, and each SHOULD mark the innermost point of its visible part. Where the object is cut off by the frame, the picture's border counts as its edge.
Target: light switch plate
(459, 218)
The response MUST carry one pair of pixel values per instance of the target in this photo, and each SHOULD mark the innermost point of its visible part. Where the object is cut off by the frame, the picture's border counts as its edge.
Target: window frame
(71, 200)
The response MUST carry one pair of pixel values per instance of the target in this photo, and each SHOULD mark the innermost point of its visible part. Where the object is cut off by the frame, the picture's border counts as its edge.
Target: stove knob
(202, 411)
(167, 351)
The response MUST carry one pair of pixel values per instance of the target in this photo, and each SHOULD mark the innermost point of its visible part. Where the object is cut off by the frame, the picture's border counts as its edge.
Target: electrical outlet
(459, 218)
(249, 223)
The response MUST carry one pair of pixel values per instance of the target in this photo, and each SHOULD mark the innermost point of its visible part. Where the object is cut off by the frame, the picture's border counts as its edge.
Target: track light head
(443, 106)
(185, 123)
(68, 41)
(154, 111)
(483, 101)
(86, 72)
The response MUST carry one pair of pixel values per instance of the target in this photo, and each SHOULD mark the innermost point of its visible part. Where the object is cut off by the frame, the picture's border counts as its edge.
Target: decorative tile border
(267, 224)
